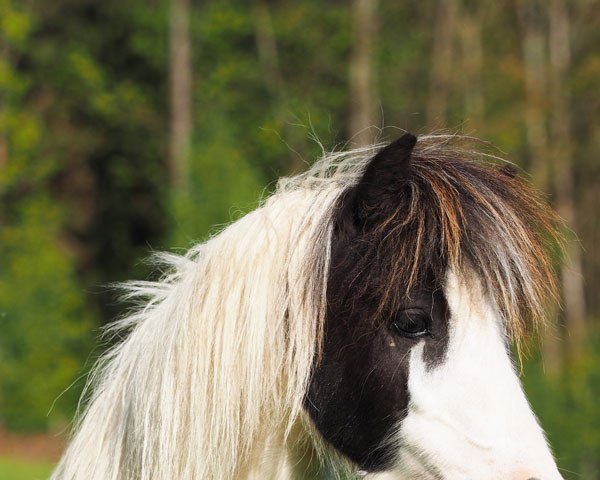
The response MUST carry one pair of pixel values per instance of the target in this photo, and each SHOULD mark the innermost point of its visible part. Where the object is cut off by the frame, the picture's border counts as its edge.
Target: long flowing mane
(215, 364)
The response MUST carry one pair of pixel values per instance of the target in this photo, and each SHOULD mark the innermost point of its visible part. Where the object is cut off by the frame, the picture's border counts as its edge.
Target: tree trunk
(472, 65)
(562, 156)
(362, 90)
(181, 94)
(534, 55)
(268, 56)
(441, 68)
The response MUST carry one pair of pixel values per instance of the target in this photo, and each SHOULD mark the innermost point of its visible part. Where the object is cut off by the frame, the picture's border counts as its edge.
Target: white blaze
(468, 417)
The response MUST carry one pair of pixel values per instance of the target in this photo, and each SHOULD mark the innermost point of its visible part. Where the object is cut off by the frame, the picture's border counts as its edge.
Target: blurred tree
(562, 156)
(99, 83)
(547, 59)
(534, 52)
(44, 319)
(180, 73)
(363, 100)
(471, 20)
(534, 48)
(442, 57)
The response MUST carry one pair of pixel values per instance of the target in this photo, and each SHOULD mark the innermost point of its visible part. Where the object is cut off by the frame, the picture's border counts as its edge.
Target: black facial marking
(358, 393)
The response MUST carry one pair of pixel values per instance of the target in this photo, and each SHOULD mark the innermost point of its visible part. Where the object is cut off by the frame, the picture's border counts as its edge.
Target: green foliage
(43, 318)
(11, 469)
(567, 406)
(222, 187)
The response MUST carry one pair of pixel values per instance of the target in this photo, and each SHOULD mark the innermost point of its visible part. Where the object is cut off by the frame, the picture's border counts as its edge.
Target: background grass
(11, 469)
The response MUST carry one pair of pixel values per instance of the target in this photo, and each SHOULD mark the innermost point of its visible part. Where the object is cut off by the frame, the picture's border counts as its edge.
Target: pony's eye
(412, 323)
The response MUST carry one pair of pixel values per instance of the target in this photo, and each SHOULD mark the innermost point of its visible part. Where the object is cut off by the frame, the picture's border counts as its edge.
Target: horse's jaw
(468, 417)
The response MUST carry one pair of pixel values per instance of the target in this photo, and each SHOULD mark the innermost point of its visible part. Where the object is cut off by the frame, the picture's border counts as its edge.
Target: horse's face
(415, 382)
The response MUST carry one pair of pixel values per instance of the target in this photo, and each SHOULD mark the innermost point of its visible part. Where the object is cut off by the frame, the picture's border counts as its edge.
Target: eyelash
(412, 323)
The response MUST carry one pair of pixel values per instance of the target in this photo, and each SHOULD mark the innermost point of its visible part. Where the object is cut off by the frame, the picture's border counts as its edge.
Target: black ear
(377, 191)
(387, 169)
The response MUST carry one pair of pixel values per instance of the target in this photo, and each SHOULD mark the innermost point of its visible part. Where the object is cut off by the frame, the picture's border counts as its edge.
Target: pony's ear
(387, 169)
(377, 191)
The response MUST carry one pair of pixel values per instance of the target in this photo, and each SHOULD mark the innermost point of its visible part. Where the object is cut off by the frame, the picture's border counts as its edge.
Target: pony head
(437, 261)
(358, 323)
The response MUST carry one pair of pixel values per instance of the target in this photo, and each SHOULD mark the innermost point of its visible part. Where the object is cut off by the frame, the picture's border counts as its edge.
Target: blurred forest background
(128, 126)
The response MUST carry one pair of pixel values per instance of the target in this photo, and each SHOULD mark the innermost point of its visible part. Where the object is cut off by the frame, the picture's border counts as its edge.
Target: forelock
(458, 209)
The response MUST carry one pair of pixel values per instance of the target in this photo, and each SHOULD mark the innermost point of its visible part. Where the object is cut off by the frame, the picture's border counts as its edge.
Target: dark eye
(412, 323)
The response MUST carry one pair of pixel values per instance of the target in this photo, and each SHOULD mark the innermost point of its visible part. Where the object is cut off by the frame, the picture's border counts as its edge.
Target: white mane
(215, 366)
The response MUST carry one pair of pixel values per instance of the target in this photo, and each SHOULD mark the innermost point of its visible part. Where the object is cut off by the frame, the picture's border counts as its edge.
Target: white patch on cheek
(468, 417)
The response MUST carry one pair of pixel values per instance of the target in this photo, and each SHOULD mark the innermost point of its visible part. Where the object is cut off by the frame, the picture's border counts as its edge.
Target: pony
(357, 324)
